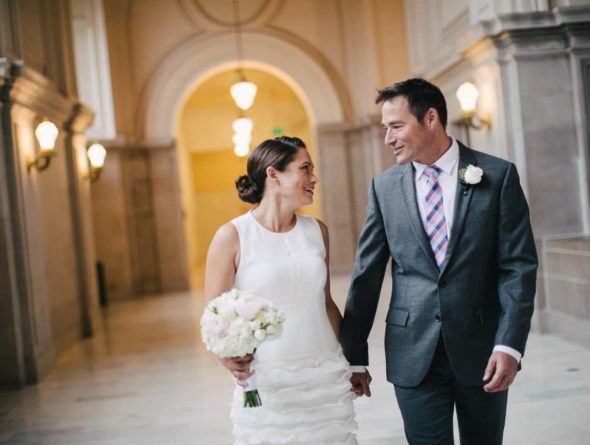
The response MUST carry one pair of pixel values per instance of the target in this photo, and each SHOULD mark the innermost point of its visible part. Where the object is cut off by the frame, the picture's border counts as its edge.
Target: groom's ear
(431, 117)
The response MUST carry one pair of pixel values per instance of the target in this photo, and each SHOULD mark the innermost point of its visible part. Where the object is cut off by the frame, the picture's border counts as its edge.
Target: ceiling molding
(219, 14)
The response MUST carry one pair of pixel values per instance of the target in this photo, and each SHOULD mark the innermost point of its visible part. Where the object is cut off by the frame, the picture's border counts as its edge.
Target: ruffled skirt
(304, 402)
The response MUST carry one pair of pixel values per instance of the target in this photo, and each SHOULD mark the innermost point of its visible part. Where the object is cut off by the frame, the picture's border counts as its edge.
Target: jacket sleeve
(367, 278)
(517, 262)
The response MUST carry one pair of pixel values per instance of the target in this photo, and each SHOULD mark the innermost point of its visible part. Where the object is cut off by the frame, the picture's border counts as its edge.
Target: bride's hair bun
(248, 191)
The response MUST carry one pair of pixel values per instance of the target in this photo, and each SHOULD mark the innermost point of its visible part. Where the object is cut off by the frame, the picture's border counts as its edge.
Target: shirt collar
(447, 162)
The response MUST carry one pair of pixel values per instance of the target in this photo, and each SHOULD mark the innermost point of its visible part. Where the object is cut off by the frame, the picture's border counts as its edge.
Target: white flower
(248, 308)
(471, 175)
(215, 325)
(274, 331)
(235, 324)
(260, 334)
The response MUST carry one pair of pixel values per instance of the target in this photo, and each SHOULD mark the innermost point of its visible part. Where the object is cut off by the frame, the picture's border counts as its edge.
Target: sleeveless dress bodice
(302, 377)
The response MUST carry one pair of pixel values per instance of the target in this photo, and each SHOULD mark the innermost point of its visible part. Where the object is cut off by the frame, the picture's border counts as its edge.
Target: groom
(455, 223)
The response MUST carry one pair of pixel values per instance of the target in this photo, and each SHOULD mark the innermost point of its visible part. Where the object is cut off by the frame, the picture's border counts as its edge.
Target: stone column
(544, 59)
(349, 156)
(138, 217)
(15, 341)
(47, 287)
(81, 214)
(172, 248)
(40, 280)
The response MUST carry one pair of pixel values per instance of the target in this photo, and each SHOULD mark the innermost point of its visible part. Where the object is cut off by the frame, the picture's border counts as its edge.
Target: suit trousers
(427, 409)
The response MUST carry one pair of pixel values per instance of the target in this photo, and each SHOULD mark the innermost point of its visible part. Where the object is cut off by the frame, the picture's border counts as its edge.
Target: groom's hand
(500, 372)
(360, 383)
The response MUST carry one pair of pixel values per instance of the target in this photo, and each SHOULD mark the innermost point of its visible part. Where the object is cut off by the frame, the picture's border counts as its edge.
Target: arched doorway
(208, 166)
(320, 90)
(191, 64)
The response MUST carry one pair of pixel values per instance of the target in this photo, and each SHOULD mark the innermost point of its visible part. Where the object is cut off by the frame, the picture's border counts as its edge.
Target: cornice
(519, 22)
(24, 86)
(81, 118)
(539, 34)
(573, 14)
(553, 28)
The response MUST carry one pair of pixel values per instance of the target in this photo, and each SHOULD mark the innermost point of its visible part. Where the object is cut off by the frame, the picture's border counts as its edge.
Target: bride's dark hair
(276, 153)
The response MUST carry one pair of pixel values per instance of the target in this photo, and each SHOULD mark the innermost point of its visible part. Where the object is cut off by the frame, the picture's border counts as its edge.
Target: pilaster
(350, 155)
(545, 58)
(41, 298)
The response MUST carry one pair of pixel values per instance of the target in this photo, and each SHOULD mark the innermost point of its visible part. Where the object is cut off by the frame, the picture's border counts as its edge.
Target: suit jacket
(483, 295)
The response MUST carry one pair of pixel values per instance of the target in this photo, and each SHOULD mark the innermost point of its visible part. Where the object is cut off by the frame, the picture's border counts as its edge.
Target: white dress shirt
(447, 180)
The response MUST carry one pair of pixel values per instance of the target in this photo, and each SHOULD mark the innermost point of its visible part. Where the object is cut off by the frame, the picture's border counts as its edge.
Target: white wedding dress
(302, 377)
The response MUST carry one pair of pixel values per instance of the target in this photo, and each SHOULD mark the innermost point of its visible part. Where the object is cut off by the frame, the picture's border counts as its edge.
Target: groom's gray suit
(483, 294)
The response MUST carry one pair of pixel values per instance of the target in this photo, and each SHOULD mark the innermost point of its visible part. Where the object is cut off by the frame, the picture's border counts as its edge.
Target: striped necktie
(435, 223)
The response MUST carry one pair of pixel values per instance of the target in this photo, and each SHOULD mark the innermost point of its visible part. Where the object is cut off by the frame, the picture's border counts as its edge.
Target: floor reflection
(146, 379)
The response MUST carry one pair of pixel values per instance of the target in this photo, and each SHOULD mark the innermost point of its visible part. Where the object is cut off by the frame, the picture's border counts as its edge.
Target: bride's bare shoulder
(227, 234)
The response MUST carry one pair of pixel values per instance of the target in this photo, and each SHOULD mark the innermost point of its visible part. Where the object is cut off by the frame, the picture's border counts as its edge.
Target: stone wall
(530, 61)
(567, 287)
(48, 298)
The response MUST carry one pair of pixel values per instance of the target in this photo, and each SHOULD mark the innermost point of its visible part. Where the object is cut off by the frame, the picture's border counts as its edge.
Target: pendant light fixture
(243, 92)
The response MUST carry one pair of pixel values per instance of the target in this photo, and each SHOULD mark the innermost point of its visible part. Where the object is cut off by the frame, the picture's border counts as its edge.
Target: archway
(207, 163)
(198, 58)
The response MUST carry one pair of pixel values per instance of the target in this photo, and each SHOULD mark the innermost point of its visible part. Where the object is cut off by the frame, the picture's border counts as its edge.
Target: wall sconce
(96, 154)
(46, 134)
(468, 94)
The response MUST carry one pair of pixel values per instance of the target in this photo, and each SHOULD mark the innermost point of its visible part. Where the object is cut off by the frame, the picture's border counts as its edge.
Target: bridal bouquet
(235, 324)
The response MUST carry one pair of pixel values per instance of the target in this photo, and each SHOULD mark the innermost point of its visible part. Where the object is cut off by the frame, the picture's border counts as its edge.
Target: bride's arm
(222, 262)
(333, 312)
(220, 271)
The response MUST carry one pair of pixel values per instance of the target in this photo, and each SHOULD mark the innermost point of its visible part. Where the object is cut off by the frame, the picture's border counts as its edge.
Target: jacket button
(437, 317)
(443, 283)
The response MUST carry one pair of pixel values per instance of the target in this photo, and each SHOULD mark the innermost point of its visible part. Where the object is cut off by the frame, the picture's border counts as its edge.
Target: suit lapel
(408, 188)
(462, 200)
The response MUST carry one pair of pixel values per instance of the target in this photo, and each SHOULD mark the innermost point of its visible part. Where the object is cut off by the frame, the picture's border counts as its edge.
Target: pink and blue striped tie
(435, 223)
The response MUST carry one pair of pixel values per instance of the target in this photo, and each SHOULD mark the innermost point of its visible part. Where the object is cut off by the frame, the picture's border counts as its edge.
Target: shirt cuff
(508, 350)
(358, 368)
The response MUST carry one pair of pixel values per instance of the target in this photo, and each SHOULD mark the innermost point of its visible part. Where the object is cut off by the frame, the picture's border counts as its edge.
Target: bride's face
(297, 182)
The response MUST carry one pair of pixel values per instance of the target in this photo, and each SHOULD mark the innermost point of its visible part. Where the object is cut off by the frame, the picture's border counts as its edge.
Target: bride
(282, 256)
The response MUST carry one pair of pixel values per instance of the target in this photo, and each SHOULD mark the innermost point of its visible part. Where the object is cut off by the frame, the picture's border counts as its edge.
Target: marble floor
(147, 379)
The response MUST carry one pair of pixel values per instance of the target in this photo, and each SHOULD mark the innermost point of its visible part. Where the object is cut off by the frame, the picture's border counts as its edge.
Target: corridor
(147, 380)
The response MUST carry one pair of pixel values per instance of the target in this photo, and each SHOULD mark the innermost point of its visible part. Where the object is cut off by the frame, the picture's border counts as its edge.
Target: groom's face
(409, 139)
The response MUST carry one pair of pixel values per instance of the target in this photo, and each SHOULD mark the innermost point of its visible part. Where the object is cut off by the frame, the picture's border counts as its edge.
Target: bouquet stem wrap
(251, 396)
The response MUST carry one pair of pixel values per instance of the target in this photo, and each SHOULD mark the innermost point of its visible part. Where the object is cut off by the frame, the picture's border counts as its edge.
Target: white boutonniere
(470, 175)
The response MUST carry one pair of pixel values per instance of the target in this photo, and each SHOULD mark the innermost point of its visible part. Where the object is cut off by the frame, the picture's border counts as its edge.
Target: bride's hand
(360, 382)
(239, 367)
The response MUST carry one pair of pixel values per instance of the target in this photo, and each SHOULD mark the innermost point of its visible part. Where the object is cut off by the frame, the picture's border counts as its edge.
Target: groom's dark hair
(421, 96)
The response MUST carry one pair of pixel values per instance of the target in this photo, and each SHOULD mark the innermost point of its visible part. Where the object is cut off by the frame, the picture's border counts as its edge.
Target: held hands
(500, 372)
(360, 383)
(239, 367)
